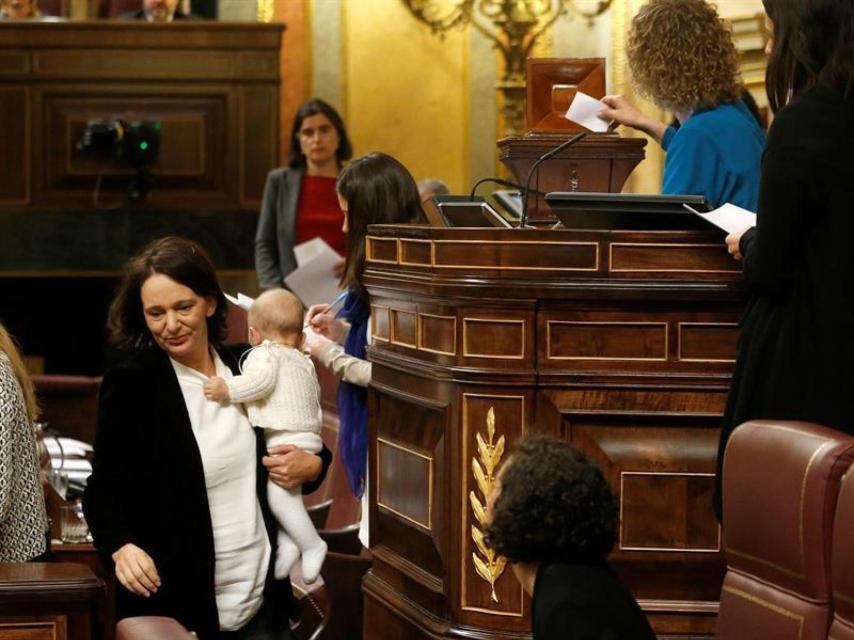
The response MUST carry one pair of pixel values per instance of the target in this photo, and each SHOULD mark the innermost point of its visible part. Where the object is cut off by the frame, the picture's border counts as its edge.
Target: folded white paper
(314, 280)
(585, 111)
(242, 301)
(729, 217)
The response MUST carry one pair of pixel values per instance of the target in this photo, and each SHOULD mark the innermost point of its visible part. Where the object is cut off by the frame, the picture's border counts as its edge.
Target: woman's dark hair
(378, 190)
(813, 45)
(554, 505)
(180, 259)
(296, 158)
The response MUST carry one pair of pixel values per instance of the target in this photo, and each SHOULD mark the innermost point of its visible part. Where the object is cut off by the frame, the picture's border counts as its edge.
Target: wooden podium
(620, 342)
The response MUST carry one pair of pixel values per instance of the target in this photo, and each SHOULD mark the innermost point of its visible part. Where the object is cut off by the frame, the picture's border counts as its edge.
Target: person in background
(23, 519)
(796, 355)
(682, 56)
(299, 202)
(551, 513)
(375, 189)
(430, 187)
(158, 11)
(177, 500)
(19, 9)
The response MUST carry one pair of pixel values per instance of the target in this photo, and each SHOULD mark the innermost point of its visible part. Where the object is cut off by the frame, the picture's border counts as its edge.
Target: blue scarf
(353, 399)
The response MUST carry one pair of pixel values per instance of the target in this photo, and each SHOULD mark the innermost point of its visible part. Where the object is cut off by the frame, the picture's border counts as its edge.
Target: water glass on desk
(73, 527)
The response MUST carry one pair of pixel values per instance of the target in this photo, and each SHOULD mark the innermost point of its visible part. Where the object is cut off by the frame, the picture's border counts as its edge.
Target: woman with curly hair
(682, 56)
(553, 516)
(795, 351)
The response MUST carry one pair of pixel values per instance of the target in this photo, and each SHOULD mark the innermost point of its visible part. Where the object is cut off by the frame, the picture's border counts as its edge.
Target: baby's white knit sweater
(280, 388)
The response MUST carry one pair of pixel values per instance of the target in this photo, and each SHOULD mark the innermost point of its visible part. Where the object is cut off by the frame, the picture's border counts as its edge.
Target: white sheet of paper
(242, 301)
(728, 217)
(309, 249)
(585, 110)
(314, 281)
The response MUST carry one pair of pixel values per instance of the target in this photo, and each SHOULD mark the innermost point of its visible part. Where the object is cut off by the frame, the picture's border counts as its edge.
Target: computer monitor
(577, 210)
(461, 211)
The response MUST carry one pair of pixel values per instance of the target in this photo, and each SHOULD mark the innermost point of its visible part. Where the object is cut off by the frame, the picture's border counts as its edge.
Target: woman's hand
(620, 110)
(289, 466)
(326, 324)
(136, 571)
(315, 343)
(733, 241)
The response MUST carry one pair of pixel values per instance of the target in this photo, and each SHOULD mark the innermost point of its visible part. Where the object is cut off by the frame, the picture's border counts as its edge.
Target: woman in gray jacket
(300, 202)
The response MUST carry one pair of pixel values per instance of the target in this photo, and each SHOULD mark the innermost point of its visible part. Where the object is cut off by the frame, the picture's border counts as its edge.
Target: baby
(279, 385)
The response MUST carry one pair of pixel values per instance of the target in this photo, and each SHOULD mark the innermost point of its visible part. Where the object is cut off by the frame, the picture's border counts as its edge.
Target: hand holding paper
(585, 111)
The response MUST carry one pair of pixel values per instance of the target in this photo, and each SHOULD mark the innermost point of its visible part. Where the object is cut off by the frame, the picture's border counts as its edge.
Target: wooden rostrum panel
(482, 336)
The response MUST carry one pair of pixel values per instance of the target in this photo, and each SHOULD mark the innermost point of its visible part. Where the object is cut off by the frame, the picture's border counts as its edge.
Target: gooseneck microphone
(505, 183)
(546, 156)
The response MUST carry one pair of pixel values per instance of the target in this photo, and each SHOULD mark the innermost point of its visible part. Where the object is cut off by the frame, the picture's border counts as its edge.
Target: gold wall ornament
(516, 25)
(488, 564)
(266, 10)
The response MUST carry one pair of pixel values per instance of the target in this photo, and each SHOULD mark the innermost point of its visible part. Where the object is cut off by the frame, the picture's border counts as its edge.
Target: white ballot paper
(242, 301)
(314, 281)
(728, 217)
(585, 110)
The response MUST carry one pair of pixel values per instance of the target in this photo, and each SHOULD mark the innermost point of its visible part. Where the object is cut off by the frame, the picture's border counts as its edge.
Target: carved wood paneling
(416, 252)
(476, 592)
(121, 65)
(405, 482)
(381, 250)
(607, 340)
(437, 334)
(707, 341)
(380, 325)
(34, 628)
(651, 258)
(15, 151)
(14, 62)
(502, 338)
(404, 328)
(520, 255)
(259, 113)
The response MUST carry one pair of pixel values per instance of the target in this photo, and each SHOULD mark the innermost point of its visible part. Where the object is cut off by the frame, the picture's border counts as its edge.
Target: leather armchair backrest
(842, 569)
(780, 487)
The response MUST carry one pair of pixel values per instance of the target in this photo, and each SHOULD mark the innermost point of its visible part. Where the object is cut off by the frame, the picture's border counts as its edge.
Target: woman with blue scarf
(375, 189)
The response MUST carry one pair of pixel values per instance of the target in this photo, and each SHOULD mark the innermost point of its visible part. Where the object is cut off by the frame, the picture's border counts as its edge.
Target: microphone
(548, 155)
(505, 183)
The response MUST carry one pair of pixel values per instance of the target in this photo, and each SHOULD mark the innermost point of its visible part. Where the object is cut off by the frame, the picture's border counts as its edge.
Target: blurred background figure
(430, 187)
(23, 519)
(19, 9)
(158, 11)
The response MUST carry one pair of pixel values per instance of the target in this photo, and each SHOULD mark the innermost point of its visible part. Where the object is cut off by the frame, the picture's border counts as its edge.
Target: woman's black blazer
(148, 487)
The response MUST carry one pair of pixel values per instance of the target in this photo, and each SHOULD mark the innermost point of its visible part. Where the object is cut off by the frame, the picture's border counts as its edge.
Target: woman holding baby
(177, 499)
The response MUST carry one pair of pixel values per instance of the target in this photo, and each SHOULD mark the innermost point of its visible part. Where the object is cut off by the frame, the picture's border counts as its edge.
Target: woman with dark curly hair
(554, 518)
(682, 56)
(177, 499)
(796, 355)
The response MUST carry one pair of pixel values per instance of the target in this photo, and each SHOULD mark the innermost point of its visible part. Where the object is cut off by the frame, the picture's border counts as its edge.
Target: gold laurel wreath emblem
(488, 564)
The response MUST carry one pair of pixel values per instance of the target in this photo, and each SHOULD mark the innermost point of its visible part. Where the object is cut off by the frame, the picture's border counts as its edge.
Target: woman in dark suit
(552, 515)
(176, 500)
(299, 201)
(796, 352)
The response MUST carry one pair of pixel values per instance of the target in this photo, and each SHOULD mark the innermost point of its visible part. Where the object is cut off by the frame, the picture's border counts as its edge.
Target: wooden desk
(213, 86)
(50, 601)
(619, 342)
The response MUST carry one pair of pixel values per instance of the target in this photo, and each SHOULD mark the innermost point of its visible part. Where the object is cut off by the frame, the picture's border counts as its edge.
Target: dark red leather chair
(780, 487)
(842, 563)
(151, 628)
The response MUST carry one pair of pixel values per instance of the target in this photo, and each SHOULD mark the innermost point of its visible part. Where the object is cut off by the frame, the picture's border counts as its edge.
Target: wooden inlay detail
(416, 253)
(113, 63)
(14, 62)
(405, 483)
(516, 255)
(628, 257)
(380, 325)
(494, 338)
(707, 341)
(506, 414)
(37, 627)
(382, 250)
(578, 340)
(437, 334)
(404, 328)
(15, 148)
(647, 514)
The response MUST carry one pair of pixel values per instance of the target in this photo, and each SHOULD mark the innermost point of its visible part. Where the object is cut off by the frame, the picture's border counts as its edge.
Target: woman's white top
(241, 547)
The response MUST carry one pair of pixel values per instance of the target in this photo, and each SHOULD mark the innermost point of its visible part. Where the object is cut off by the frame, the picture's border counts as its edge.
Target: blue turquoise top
(716, 154)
